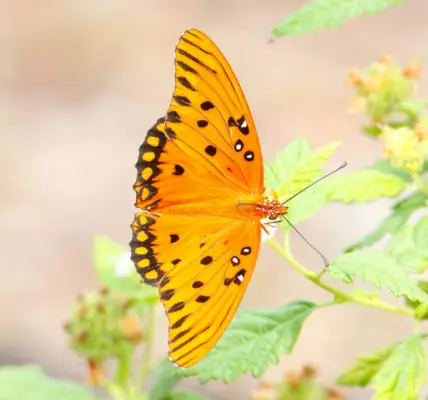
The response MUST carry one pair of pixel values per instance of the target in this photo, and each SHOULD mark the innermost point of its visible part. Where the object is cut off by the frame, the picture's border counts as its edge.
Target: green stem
(115, 391)
(338, 294)
(124, 368)
(420, 185)
(146, 365)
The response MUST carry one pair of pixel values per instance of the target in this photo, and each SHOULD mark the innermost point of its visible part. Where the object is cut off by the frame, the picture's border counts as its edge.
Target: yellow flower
(404, 147)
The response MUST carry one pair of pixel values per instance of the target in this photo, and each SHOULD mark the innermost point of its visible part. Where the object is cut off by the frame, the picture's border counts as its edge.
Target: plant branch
(338, 294)
(146, 365)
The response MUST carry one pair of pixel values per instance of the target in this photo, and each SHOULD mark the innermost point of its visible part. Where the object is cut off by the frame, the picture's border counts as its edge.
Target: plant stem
(146, 365)
(124, 368)
(115, 391)
(338, 294)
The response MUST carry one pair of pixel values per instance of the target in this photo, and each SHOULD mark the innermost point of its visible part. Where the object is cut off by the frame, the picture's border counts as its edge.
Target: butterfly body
(200, 190)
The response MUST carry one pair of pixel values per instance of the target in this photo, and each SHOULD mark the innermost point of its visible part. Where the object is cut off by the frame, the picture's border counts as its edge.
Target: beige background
(81, 82)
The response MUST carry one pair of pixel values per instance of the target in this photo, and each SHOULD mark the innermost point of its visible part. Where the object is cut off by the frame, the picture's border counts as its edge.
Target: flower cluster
(382, 86)
(406, 147)
(102, 326)
(301, 385)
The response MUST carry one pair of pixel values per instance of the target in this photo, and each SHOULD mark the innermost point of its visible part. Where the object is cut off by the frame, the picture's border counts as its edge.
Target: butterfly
(200, 186)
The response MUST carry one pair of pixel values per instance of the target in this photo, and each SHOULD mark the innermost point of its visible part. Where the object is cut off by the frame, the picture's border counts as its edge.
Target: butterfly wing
(202, 268)
(209, 100)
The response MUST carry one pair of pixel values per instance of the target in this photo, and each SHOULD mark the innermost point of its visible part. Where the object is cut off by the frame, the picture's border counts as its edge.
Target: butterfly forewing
(208, 95)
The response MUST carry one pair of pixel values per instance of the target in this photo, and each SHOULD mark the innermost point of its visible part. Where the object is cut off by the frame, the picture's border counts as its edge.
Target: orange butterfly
(200, 186)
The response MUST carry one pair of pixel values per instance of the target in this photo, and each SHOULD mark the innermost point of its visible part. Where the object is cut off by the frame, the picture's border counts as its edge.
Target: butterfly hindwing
(202, 271)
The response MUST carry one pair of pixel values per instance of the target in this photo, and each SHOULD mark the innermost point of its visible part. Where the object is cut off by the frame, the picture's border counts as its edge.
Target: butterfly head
(271, 208)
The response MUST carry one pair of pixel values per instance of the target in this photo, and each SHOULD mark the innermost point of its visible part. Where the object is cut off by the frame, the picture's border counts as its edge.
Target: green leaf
(402, 373)
(372, 130)
(30, 383)
(255, 340)
(384, 165)
(394, 222)
(295, 168)
(306, 205)
(380, 269)
(412, 107)
(364, 186)
(412, 256)
(321, 14)
(420, 234)
(187, 395)
(285, 162)
(117, 272)
(165, 378)
(361, 373)
(306, 170)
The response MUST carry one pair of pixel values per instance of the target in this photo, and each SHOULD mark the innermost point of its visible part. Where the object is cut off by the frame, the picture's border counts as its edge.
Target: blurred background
(82, 81)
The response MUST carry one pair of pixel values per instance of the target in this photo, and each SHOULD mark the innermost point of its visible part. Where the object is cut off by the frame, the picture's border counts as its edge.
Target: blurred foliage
(301, 385)
(321, 14)
(117, 322)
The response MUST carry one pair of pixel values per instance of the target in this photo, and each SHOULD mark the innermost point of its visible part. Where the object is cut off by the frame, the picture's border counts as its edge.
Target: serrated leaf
(30, 383)
(391, 224)
(420, 233)
(361, 373)
(285, 162)
(380, 269)
(322, 14)
(117, 272)
(401, 212)
(402, 373)
(364, 186)
(306, 205)
(384, 165)
(255, 340)
(306, 170)
(412, 257)
(165, 378)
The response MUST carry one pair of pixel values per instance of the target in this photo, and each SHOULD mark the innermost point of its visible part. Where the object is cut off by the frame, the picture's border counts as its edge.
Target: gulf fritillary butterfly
(200, 188)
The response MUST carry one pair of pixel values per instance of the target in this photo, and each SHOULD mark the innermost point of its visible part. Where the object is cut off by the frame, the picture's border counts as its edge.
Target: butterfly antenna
(326, 262)
(343, 165)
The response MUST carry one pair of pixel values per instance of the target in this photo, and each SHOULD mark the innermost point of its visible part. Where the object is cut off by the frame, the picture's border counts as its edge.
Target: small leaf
(361, 373)
(412, 107)
(30, 383)
(306, 170)
(364, 186)
(384, 165)
(420, 234)
(165, 378)
(372, 130)
(187, 395)
(321, 14)
(401, 212)
(379, 269)
(306, 205)
(402, 373)
(117, 272)
(410, 255)
(255, 340)
(285, 162)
